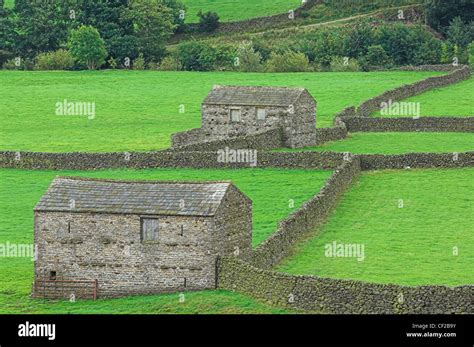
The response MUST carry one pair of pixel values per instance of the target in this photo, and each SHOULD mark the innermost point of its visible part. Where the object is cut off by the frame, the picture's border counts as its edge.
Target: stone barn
(137, 237)
(230, 111)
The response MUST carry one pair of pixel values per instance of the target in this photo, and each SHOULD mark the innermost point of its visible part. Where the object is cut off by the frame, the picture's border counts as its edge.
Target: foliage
(198, 56)
(249, 59)
(344, 64)
(459, 33)
(87, 47)
(57, 60)
(376, 57)
(288, 62)
(139, 63)
(153, 25)
(170, 63)
(208, 21)
(440, 13)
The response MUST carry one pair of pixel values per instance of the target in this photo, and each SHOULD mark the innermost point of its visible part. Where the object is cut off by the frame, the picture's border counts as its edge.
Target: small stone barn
(230, 111)
(139, 237)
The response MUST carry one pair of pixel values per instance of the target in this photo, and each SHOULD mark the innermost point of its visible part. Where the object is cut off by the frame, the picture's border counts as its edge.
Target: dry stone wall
(430, 124)
(416, 160)
(334, 296)
(312, 214)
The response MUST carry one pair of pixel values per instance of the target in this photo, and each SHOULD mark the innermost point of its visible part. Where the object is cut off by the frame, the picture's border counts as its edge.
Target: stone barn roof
(72, 194)
(253, 96)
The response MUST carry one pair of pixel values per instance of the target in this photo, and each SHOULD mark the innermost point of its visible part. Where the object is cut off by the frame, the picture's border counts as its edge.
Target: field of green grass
(139, 110)
(271, 191)
(453, 100)
(411, 224)
(397, 143)
(233, 10)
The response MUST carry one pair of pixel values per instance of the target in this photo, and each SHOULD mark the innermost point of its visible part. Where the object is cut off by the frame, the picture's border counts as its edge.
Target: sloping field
(416, 227)
(139, 110)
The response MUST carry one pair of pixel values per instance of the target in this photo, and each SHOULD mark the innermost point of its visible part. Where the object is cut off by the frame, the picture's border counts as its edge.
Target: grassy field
(232, 10)
(411, 245)
(397, 143)
(453, 100)
(270, 190)
(139, 110)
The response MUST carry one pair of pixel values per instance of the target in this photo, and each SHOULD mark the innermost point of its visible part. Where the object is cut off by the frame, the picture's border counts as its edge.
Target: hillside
(234, 10)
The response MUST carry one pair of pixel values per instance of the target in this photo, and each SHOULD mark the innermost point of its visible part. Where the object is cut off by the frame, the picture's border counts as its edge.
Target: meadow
(233, 10)
(139, 110)
(270, 190)
(416, 227)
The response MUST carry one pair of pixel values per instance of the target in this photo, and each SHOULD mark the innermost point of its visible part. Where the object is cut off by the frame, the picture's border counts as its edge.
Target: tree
(288, 61)
(459, 33)
(249, 59)
(178, 11)
(153, 25)
(208, 21)
(439, 13)
(197, 56)
(42, 27)
(8, 36)
(87, 47)
(376, 57)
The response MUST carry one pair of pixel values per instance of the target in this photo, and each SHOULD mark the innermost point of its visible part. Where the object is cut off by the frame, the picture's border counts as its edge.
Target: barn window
(261, 113)
(235, 115)
(52, 275)
(149, 229)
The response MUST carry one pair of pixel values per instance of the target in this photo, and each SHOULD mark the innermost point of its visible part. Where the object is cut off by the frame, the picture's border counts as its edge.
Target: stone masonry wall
(431, 124)
(334, 296)
(108, 248)
(312, 214)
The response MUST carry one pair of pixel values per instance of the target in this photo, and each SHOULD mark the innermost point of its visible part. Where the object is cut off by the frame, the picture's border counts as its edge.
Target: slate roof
(133, 197)
(253, 96)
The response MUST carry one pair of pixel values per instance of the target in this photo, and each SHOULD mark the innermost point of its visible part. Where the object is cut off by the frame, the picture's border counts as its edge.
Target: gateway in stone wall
(235, 111)
(137, 237)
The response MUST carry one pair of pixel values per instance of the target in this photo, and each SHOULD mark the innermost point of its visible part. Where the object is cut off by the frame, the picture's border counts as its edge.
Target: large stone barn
(137, 237)
(230, 111)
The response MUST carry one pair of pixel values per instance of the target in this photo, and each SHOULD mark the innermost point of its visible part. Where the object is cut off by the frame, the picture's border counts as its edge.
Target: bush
(341, 64)
(208, 21)
(112, 63)
(288, 62)
(471, 54)
(57, 60)
(248, 59)
(24, 64)
(170, 63)
(139, 63)
(197, 56)
(376, 57)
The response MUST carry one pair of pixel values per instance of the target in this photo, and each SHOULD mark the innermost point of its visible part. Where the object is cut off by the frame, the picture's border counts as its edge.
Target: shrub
(208, 21)
(57, 60)
(376, 57)
(288, 62)
(249, 59)
(471, 54)
(87, 47)
(112, 63)
(197, 56)
(341, 64)
(22, 64)
(139, 63)
(170, 63)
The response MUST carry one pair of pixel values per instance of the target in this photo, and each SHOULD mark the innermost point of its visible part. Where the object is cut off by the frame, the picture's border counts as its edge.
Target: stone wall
(334, 296)
(433, 124)
(287, 160)
(416, 160)
(108, 248)
(268, 139)
(324, 135)
(312, 214)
